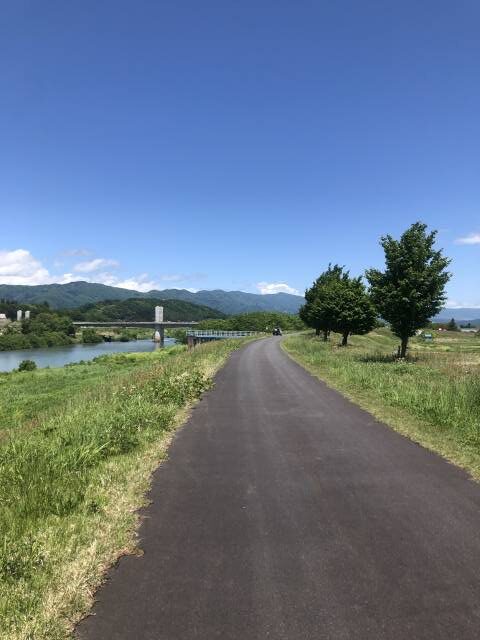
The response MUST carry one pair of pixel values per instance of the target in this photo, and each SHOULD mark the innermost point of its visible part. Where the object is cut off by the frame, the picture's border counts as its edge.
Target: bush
(180, 335)
(90, 336)
(27, 365)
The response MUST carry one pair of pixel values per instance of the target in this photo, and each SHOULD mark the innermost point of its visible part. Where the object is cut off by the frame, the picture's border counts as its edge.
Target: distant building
(3, 320)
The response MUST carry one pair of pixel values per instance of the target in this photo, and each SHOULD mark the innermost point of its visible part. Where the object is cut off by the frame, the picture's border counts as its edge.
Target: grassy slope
(433, 399)
(24, 398)
(75, 463)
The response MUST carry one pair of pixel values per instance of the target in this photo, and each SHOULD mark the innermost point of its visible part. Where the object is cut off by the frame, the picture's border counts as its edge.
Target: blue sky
(236, 145)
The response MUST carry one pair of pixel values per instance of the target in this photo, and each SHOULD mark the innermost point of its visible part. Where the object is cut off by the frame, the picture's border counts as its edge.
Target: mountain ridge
(77, 294)
(459, 314)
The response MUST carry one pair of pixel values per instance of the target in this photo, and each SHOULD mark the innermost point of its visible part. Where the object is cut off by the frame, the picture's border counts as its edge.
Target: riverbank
(78, 447)
(433, 398)
(60, 356)
(16, 340)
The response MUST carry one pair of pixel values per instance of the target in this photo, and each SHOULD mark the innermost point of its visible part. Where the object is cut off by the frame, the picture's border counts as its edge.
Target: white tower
(158, 314)
(19, 315)
(27, 315)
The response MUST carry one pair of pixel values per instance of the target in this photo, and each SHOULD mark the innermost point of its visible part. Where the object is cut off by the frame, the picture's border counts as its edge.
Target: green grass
(79, 446)
(433, 397)
(26, 397)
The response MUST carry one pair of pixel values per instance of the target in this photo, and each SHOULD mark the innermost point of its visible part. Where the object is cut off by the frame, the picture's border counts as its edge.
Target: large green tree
(411, 289)
(316, 312)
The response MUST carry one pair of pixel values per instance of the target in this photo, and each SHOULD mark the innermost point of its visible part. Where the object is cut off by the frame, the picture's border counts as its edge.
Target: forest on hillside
(142, 310)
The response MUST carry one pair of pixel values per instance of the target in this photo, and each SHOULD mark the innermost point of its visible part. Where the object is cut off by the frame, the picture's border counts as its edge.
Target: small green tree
(27, 365)
(351, 309)
(90, 336)
(452, 325)
(412, 288)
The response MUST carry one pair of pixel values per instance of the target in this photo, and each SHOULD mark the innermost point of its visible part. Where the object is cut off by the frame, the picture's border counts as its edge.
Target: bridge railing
(205, 333)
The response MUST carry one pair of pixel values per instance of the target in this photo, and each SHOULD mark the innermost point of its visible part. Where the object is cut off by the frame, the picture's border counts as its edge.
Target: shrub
(27, 365)
(90, 336)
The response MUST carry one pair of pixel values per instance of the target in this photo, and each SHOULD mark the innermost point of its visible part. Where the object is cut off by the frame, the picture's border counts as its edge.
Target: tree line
(406, 294)
(255, 321)
(141, 310)
(43, 329)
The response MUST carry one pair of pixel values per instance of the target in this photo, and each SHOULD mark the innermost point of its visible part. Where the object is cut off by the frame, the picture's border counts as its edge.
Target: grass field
(77, 451)
(433, 397)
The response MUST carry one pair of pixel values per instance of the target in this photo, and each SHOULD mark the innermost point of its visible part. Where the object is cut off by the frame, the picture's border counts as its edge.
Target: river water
(59, 356)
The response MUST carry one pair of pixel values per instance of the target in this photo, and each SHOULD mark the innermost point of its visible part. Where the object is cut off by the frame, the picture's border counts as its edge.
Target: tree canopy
(142, 310)
(317, 311)
(411, 289)
(338, 302)
(255, 321)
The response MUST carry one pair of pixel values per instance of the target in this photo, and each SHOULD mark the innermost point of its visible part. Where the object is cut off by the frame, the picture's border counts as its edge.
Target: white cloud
(138, 283)
(173, 277)
(455, 304)
(276, 287)
(95, 265)
(20, 267)
(179, 277)
(472, 238)
(142, 282)
(76, 252)
(65, 278)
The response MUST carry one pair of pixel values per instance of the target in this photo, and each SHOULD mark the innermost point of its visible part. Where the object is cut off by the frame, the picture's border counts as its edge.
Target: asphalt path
(286, 512)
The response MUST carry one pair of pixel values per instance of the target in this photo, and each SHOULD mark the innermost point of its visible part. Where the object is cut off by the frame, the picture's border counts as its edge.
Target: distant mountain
(77, 294)
(141, 310)
(233, 302)
(464, 314)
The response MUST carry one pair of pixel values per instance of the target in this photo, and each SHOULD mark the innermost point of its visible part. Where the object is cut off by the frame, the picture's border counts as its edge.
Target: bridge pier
(160, 334)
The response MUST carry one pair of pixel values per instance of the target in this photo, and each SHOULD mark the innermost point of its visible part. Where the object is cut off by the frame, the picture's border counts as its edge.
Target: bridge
(158, 324)
(205, 335)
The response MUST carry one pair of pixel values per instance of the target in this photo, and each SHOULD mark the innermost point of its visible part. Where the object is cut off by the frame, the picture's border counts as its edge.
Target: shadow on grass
(386, 358)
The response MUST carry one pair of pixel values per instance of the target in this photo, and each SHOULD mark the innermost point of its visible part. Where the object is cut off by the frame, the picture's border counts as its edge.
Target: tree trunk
(325, 336)
(403, 347)
(345, 335)
(317, 332)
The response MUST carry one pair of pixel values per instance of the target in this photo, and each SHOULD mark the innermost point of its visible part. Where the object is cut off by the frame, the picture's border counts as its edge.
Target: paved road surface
(286, 512)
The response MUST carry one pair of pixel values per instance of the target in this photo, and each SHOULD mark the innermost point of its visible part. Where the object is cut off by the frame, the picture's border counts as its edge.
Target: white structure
(19, 315)
(158, 314)
(157, 337)
(27, 315)
(3, 320)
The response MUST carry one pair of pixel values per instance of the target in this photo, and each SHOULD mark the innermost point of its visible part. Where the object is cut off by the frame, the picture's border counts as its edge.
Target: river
(59, 356)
